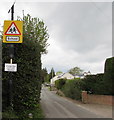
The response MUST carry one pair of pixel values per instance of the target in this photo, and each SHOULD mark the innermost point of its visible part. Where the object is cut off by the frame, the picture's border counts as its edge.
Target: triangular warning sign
(12, 30)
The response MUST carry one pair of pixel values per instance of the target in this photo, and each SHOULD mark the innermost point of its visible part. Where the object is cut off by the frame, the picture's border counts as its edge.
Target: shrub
(60, 83)
(72, 89)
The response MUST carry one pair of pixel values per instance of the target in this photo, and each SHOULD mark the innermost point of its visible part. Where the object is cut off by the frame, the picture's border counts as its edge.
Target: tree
(51, 74)
(35, 30)
(59, 72)
(75, 71)
(44, 75)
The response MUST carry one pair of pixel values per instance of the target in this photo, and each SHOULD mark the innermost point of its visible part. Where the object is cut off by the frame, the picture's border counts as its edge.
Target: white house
(83, 75)
(87, 73)
(79, 76)
(67, 76)
(61, 76)
(54, 79)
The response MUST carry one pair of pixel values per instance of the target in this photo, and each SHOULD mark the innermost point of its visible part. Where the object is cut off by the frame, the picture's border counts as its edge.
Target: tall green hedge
(102, 83)
(26, 82)
(93, 84)
(109, 76)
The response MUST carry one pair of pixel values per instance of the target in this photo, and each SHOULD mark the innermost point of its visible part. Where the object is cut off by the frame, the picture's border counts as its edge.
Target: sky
(80, 33)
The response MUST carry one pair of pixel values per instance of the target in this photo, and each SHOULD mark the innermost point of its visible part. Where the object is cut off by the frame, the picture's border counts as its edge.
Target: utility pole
(11, 55)
(13, 31)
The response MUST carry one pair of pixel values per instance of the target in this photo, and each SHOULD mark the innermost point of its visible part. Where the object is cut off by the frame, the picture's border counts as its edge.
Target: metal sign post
(13, 33)
(11, 55)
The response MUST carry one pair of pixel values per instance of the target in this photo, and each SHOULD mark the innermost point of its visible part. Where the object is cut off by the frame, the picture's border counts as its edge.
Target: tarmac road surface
(55, 106)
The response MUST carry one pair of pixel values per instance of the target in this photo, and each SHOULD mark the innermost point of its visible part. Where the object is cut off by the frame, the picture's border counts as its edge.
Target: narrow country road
(55, 106)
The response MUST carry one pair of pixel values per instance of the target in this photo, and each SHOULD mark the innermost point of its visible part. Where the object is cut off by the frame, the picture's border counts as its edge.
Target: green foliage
(9, 113)
(98, 85)
(75, 71)
(59, 72)
(35, 30)
(101, 83)
(72, 89)
(60, 83)
(47, 79)
(28, 79)
(93, 84)
(44, 74)
(36, 113)
(108, 76)
(51, 74)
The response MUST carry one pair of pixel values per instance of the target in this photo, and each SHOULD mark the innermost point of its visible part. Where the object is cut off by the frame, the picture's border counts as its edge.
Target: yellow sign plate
(13, 31)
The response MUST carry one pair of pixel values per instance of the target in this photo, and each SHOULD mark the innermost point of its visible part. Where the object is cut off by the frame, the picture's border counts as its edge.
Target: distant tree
(75, 71)
(44, 75)
(59, 72)
(51, 74)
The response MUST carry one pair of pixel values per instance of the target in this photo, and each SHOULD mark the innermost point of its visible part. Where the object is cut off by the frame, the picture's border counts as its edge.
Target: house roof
(67, 75)
(62, 76)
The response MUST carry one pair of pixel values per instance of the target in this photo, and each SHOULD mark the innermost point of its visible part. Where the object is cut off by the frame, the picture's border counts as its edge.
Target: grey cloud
(84, 29)
(80, 25)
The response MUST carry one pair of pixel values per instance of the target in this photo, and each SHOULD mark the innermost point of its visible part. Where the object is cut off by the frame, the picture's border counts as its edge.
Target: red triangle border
(16, 28)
